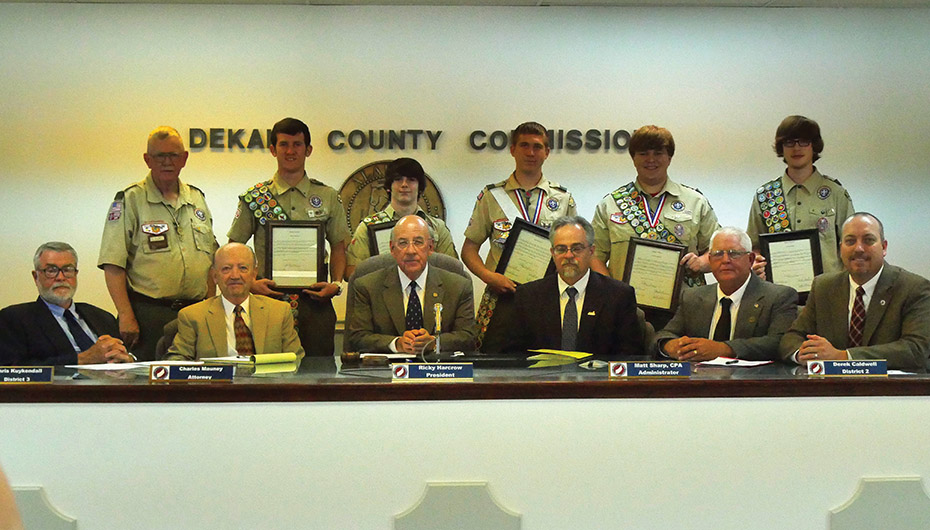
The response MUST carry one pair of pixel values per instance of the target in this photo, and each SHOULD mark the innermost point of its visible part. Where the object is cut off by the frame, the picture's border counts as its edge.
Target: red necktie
(857, 320)
(244, 344)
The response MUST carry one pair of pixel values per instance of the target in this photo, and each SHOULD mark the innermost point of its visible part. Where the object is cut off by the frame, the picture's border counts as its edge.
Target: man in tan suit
(235, 323)
(870, 310)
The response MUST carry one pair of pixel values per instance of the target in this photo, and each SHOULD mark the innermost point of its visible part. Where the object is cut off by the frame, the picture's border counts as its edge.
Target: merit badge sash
(262, 203)
(771, 199)
(634, 210)
(511, 211)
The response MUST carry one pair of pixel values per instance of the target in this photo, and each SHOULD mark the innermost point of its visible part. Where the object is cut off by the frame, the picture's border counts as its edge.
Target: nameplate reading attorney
(26, 375)
(432, 373)
(878, 368)
(625, 370)
(205, 373)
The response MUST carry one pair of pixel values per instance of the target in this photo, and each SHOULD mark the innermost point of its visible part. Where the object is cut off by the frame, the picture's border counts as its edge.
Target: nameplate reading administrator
(663, 369)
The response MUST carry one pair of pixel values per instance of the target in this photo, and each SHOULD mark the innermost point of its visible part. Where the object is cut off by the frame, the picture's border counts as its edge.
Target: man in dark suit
(235, 322)
(871, 310)
(577, 309)
(394, 309)
(55, 330)
(740, 316)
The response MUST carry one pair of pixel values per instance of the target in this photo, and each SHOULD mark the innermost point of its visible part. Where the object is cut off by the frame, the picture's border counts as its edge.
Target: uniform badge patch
(679, 230)
(678, 206)
(316, 201)
(823, 192)
(618, 218)
(823, 224)
(155, 228)
(502, 225)
(116, 211)
(200, 214)
(552, 204)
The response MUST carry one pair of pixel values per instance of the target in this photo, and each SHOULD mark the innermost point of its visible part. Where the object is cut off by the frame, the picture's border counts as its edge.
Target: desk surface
(325, 380)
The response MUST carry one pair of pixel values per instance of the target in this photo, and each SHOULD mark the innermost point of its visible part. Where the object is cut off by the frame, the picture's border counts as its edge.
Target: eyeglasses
(51, 272)
(797, 141)
(167, 157)
(403, 243)
(734, 254)
(561, 250)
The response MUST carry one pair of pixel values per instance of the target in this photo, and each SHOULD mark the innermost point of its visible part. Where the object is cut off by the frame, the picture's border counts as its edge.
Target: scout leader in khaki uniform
(291, 195)
(802, 198)
(405, 182)
(653, 207)
(525, 194)
(157, 246)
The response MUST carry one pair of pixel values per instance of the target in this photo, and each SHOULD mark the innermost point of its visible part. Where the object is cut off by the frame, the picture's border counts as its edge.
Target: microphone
(437, 308)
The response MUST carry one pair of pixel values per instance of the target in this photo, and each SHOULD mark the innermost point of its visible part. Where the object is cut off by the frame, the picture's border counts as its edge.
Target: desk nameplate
(432, 372)
(659, 369)
(877, 368)
(26, 375)
(205, 373)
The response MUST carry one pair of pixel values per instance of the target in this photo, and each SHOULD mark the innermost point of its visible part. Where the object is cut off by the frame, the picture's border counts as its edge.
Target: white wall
(83, 84)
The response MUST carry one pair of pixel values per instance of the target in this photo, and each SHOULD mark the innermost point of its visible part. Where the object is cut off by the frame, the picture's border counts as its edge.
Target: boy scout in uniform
(653, 207)
(157, 246)
(802, 198)
(291, 195)
(405, 182)
(525, 194)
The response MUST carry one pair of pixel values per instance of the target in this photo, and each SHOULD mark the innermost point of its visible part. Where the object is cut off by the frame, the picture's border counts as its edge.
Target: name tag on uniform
(157, 233)
(205, 373)
(432, 373)
(26, 375)
(848, 368)
(625, 370)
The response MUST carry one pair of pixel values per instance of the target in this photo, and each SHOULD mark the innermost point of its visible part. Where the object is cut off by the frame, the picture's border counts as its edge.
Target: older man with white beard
(55, 330)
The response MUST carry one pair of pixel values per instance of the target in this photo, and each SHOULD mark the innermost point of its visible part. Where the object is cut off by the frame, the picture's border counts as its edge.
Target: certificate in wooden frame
(295, 254)
(523, 260)
(654, 269)
(799, 252)
(377, 233)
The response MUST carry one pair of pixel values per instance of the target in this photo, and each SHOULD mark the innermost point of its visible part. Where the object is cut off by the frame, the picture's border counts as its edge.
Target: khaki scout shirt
(686, 213)
(358, 249)
(487, 219)
(820, 203)
(166, 250)
(309, 200)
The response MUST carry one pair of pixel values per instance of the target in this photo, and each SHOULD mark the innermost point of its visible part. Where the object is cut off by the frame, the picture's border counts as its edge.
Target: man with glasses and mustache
(157, 246)
(802, 198)
(577, 309)
(740, 316)
(55, 330)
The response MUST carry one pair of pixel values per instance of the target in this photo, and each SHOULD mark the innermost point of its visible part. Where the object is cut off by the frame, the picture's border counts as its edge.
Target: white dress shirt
(229, 309)
(581, 285)
(735, 298)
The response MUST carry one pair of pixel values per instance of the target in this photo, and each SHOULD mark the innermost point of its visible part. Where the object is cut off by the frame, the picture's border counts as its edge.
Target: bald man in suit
(757, 312)
(385, 319)
(895, 303)
(209, 328)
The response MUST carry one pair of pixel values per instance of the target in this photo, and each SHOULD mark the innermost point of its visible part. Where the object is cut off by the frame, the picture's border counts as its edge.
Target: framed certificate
(653, 268)
(379, 237)
(294, 253)
(526, 254)
(792, 258)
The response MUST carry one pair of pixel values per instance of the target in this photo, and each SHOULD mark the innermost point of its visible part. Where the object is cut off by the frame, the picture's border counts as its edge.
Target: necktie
(857, 320)
(570, 321)
(80, 338)
(414, 318)
(244, 344)
(722, 331)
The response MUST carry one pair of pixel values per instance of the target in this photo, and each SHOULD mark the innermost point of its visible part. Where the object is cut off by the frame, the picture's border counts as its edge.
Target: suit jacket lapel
(433, 293)
(394, 299)
(707, 304)
(593, 302)
(840, 296)
(749, 308)
(878, 303)
(259, 318)
(551, 314)
(50, 328)
(216, 326)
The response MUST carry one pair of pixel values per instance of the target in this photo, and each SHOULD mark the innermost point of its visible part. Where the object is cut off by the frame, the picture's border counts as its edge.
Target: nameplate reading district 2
(205, 373)
(429, 373)
(621, 370)
(848, 368)
(26, 375)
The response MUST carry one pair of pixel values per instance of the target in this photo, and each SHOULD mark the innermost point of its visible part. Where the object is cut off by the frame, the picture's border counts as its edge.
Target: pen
(734, 361)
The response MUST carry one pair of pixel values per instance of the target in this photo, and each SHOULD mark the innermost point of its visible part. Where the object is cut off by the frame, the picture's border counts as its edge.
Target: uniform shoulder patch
(558, 186)
(196, 188)
(831, 179)
(120, 195)
(317, 182)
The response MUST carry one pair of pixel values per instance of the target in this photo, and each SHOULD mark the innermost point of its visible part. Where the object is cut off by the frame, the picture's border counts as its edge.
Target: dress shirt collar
(868, 286)
(581, 285)
(405, 281)
(813, 182)
(737, 295)
(229, 307)
(280, 186)
(58, 311)
(153, 194)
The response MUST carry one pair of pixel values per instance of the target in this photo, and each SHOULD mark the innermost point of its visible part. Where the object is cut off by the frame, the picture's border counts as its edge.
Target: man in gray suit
(870, 310)
(740, 316)
(394, 309)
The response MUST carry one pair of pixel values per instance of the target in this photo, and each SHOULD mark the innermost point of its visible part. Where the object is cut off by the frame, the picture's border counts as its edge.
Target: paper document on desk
(577, 355)
(129, 366)
(729, 361)
(389, 356)
(258, 358)
(548, 357)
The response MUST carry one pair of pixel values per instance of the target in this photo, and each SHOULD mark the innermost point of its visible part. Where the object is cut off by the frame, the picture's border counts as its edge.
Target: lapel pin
(591, 314)
(882, 302)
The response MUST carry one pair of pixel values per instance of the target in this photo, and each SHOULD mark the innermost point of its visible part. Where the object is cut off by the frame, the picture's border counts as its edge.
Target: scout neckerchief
(771, 200)
(265, 208)
(647, 224)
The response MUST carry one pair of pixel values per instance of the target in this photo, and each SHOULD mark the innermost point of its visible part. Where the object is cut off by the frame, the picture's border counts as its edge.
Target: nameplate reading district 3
(204, 373)
(26, 375)
(428, 373)
(848, 368)
(620, 370)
